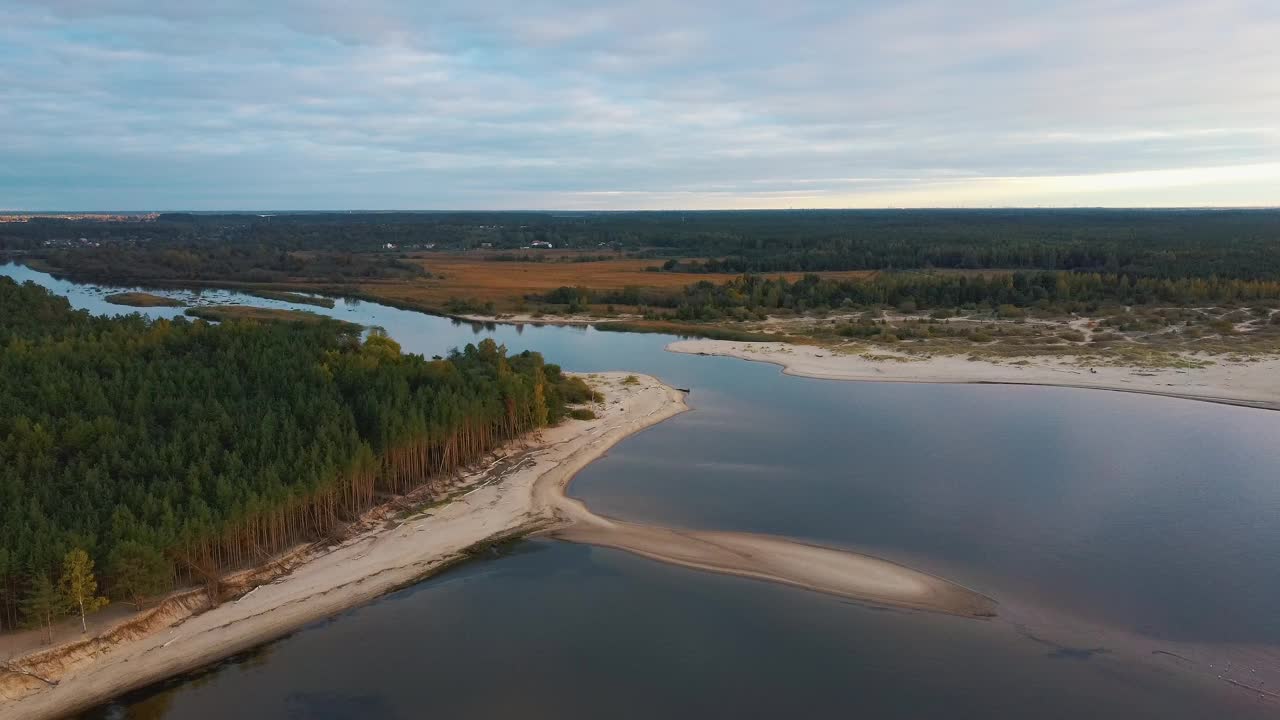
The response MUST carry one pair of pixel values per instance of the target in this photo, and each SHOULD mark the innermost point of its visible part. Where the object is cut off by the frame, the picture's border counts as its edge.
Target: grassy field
(293, 297)
(223, 313)
(142, 299)
(469, 276)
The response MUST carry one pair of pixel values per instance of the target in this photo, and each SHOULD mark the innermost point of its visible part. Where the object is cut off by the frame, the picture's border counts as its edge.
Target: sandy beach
(1249, 383)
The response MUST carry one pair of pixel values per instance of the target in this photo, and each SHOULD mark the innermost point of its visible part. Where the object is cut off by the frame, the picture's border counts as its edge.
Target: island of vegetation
(293, 297)
(223, 313)
(141, 299)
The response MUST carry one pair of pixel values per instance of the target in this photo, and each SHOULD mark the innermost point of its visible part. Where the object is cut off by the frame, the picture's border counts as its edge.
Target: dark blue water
(1156, 518)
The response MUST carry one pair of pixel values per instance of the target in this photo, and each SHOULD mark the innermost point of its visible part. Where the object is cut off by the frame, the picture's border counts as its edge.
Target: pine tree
(137, 571)
(43, 604)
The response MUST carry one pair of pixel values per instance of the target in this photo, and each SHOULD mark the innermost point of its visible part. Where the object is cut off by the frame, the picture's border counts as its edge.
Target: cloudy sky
(333, 104)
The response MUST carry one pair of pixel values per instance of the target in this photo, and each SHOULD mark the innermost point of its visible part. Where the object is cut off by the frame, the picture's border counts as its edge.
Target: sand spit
(521, 492)
(836, 572)
(1249, 383)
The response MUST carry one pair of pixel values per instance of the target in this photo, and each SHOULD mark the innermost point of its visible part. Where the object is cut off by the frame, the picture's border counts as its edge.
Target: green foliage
(631, 380)
(217, 446)
(7, 617)
(43, 605)
(1006, 292)
(138, 571)
(575, 391)
(582, 414)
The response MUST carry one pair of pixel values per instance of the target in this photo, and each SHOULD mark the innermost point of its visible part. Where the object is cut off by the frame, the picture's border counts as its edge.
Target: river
(1131, 541)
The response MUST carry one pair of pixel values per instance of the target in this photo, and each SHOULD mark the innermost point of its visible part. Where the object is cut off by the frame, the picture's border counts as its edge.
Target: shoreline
(359, 569)
(1242, 384)
(527, 494)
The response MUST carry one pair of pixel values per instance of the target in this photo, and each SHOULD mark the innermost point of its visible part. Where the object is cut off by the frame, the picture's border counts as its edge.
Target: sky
(528, 104)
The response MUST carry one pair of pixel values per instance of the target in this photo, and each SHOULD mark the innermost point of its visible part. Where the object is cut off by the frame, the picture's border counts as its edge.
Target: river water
(1132, 542)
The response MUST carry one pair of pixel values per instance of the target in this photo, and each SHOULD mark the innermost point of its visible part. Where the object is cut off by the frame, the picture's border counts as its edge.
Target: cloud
(384, 104)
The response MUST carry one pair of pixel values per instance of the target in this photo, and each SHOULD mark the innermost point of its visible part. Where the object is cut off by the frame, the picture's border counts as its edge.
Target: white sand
(847, 574)
(1252, 384)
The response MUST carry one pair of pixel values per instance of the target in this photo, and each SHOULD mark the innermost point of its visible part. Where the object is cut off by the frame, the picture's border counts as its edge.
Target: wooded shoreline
(357, 570)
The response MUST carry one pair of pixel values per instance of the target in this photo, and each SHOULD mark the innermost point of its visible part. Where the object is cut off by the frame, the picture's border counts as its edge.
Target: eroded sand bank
(1249, 383)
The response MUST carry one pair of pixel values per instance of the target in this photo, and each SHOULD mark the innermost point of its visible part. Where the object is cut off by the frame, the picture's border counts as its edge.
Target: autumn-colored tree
(79, 586)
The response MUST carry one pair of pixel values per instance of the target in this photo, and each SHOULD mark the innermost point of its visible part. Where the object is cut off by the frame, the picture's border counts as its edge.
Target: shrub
(582, 414)
(576, 391)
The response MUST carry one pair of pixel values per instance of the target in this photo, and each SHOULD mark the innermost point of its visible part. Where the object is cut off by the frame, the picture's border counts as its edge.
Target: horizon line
(352, 211)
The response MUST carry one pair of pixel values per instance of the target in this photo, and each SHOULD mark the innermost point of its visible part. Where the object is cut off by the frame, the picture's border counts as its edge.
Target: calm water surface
(1156, 519)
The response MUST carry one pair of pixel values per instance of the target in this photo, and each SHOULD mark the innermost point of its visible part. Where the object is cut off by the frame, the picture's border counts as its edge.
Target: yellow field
(469, 276)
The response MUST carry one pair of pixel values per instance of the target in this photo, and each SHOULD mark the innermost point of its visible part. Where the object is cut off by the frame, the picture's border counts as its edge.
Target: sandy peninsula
(1249, 383)
(521, 492)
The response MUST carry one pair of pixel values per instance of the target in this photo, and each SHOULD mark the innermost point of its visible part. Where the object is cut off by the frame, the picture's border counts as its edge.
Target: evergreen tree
(138, 571)
(172, 451)
(43, 605)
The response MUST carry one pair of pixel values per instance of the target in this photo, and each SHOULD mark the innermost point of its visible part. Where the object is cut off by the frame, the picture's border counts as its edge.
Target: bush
(1225, 327)
(631, 380)
(582, 414)
(576, 391)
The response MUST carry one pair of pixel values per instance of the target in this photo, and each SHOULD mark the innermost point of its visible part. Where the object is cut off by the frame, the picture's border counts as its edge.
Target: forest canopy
(170, 451)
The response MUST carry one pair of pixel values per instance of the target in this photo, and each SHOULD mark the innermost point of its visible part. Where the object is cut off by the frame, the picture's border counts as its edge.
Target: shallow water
(1156, 519)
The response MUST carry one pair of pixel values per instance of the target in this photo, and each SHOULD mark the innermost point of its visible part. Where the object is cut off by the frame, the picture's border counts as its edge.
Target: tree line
(169, 452)
(335, 247)
(755, 295)
(1062, 291)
